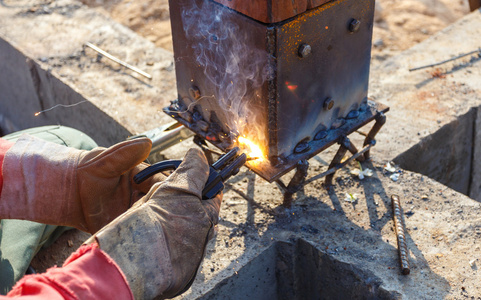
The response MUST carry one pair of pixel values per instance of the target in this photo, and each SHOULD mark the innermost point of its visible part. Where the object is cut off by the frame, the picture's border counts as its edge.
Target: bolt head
(328, 104)
(304, 50)
(194, 92)
(354, 25)
(320, 135)
(302, 147)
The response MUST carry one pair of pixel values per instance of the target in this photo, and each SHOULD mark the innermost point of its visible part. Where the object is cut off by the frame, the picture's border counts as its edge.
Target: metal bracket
(299, 179)
(171, 134)
(296, 183)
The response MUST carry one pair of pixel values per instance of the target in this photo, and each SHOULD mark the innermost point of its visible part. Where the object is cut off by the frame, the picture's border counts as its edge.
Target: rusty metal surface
(401, 237)
(207, 37)
(380, 121)
(271, 172)
(337, 69)
(271, 11)
(295, 184)
(336, 162)
(474, 4)
(306, 85)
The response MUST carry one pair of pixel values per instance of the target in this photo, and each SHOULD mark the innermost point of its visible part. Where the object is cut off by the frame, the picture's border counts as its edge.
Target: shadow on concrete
(449, 155)
(373, 187)
(297, 270)
(302, 267)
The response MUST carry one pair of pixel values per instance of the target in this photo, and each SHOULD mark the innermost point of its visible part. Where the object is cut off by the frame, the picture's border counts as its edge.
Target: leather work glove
(159, 243)
(53, 184)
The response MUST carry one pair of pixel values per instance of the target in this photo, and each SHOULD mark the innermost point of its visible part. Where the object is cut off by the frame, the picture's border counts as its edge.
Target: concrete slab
(423, 101)
(443, 235)
(443, 99)
(45, 63)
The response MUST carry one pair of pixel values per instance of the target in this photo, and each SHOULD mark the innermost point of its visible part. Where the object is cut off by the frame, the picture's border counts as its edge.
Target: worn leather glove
(58, 185)
(159, 243)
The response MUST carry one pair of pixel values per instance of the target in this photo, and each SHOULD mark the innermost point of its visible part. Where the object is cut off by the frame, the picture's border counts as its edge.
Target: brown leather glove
(159, 243)
(58, 185)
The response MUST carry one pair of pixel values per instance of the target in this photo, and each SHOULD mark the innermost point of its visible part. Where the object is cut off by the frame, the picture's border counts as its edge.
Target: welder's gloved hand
(159, 243)
(53, 184)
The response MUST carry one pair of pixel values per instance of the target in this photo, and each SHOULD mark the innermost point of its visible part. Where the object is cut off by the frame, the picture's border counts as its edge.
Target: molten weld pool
(291, 77)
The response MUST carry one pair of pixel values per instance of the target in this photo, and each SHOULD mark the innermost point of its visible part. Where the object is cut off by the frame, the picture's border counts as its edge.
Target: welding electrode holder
(226, 166)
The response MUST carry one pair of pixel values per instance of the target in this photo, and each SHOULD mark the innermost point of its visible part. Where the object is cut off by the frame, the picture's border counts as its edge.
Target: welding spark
(255, 150)
(62, 105)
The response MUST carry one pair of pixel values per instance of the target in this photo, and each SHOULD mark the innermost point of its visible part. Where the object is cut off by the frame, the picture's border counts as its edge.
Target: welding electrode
(401, 238)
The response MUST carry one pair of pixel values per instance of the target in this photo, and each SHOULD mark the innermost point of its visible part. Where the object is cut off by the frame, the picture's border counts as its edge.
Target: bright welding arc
(255, 150)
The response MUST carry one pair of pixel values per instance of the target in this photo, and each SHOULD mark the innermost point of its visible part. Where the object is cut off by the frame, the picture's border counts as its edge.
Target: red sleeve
(89, 273)
(4, 146)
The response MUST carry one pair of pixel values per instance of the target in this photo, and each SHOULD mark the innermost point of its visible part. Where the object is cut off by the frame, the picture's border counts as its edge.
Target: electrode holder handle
(228, 165)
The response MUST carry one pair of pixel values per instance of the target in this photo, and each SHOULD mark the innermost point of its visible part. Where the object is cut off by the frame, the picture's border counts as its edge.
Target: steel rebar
(401, 237)
(115, 59)
(446, 61)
